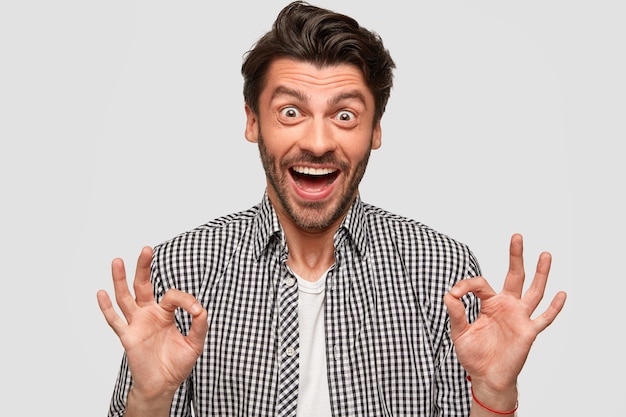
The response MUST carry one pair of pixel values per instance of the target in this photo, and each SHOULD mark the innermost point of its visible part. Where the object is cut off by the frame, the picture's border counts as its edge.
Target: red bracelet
(502, 413)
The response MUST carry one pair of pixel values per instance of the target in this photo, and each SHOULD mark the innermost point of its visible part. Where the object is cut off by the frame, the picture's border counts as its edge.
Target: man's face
(315, 131)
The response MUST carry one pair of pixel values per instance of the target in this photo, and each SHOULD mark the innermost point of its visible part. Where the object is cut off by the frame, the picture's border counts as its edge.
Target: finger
(514, 281)
(174, 299)
(111, 316)
(456, 308)
(142, 286)
(123, 296)
(535, 292)
(555, 307)
(477, 285)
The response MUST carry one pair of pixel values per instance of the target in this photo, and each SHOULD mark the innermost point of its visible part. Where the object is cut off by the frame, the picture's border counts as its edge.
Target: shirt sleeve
(453, 396)
(181, 405)
(123, 383)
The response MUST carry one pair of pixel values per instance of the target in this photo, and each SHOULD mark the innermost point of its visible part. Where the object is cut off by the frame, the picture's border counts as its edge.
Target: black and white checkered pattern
(388, 346)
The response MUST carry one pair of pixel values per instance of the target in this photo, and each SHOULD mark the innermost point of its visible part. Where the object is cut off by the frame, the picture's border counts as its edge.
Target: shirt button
(289, 281)
(290, 351)
(337, 352)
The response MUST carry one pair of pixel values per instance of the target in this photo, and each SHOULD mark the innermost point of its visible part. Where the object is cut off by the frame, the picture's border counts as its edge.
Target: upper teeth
(313, 171)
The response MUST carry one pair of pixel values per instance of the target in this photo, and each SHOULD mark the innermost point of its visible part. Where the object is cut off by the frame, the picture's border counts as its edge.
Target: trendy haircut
(322, 37)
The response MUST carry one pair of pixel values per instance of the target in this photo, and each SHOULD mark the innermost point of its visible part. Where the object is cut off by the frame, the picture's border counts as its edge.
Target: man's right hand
(160, 357)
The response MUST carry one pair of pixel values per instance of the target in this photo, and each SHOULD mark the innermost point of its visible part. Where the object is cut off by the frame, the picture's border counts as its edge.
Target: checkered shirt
(388, 346)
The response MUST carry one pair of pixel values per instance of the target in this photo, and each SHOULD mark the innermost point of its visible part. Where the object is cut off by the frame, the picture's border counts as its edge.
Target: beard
(312, 215)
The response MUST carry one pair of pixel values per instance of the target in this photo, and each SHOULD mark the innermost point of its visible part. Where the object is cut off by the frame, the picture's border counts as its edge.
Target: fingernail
(196, 308)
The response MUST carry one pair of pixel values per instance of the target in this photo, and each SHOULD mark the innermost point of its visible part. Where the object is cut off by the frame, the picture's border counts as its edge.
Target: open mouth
(313, 179)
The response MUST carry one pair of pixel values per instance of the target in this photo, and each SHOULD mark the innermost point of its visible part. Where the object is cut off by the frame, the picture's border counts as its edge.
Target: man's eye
(290, 112)
(345, 116)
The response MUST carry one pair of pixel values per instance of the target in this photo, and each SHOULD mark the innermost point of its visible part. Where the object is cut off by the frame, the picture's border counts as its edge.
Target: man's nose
(319, 138)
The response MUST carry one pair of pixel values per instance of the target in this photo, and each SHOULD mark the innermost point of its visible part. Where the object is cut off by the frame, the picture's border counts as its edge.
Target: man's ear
(377, 136)
(252, 125)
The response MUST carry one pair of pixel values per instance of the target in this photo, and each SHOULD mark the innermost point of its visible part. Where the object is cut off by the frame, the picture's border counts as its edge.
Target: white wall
(121, 124)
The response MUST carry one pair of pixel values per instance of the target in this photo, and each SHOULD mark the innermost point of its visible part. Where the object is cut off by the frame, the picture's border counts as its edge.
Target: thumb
(456, 312)
(199, 326)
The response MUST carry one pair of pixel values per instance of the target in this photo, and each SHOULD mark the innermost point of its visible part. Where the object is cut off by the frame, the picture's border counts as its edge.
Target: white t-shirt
(313, 397)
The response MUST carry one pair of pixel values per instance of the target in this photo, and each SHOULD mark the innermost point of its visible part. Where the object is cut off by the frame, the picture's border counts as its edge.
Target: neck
(311, 253)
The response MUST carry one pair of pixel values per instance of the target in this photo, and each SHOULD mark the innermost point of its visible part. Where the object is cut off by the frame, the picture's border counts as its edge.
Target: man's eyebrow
(281, 90)
(355, 94)
(286, 91)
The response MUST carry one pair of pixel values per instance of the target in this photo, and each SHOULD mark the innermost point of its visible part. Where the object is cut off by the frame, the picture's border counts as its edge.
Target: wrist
(502, 401)
(153, 405)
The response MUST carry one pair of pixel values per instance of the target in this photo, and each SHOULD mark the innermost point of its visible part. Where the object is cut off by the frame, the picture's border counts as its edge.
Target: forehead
(310, 78)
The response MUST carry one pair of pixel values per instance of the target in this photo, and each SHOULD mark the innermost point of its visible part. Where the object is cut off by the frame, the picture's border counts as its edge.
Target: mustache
(307, 158)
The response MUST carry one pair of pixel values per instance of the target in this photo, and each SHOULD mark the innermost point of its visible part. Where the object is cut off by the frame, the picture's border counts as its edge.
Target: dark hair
(322, 37)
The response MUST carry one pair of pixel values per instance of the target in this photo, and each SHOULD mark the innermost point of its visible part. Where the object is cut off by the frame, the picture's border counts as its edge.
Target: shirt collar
(265, 226)
(353, 227)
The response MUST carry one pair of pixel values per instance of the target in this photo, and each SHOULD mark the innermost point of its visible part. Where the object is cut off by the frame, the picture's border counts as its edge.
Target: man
(314, 303)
